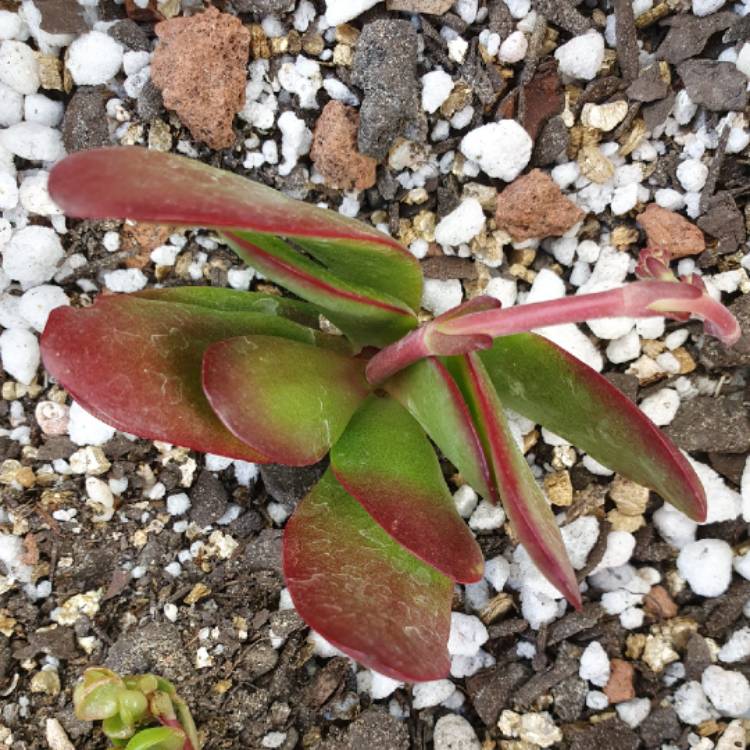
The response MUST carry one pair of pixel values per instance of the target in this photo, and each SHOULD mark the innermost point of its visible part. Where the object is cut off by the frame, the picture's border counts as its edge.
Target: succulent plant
(143, 712)
(372, 553)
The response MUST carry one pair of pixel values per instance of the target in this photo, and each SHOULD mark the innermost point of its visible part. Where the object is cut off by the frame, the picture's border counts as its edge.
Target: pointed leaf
(150, 186)
(528, 511)
(366, 316)
(387, 463)
(288, 401)
(135, 363)
(430, 394)
(544, 383)
(362, 591)
(158, 738)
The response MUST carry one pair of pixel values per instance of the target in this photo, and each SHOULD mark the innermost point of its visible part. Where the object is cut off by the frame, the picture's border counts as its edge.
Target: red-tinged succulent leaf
(288, 401)
(232, 300)
(367, 317)
(430, 394)
(387, 463)
(135, 363)
(372, 265)
(362, 591)
(544, 383)
(528, 510)
(151, 186)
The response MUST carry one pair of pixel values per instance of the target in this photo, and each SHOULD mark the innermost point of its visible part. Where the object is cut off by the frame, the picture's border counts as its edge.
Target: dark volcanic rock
(62, 17)
(724, 221)
(711, 424)
(375, 728)
(697, 657)
(289, 484)
(261, 6)
(660, 726)
(491, 691)
(649, 86)
(689, 34)
(612, 734)
(385, 68)
(717, 86)
(130, 35)
(714, 354)
(208, 500)
(150, 103)
(570, 698)
(85, 123)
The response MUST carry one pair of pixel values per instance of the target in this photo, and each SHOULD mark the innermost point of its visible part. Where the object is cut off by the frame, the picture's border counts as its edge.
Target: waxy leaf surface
(135, 363)
(387, 463)
(288, 401)
(544, 383)
(362, 591)
(429, 393)
(150, 186)
(528, 511)
(366, 316)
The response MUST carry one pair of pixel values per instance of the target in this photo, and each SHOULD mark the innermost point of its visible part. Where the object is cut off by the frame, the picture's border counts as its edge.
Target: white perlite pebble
(377, 685)
(296, 139)
(661, 407)
(745, 492)
(706, 7)
(743, 59)
(33, 141)
(11, 106)
(634, 712)
(42, 109)
(728, 691)
(579, 537)
(692, 174)
(674, 526)
(343, 11)
(19, 68)
(19, 350)
(453, 732)
(86, 429)
(501, 149)
(737, 648)
(94, 59)
(582, 56)
(8, 191)
(467, 635)
(178, 504)
(439, 296)
(428, 694)
(125, 280)
(514, 48)
(497, 571)
(436, 88)
(691, 704)
(11, 25)
(707, 566)
(462, 224)
(36, 304)
(487, 517)
(32, 255)
(594, 665)
(724, 504)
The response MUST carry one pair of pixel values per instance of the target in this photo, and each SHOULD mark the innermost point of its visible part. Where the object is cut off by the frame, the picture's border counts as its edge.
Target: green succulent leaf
(118, 728)
(157, 738)
(368, 317)
(288, 401)
(546, 384)
(95, 697)
(135, 363)
(429, 393)
(386, 462)
(528, 510)
(362, 591)
(150, 186)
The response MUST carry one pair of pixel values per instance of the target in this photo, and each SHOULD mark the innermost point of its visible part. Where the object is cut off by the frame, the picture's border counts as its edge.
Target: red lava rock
(670, 230)
(148, 14)
(534, 207)
(334, 149)
(659, 604)
(199, 65)
(620, 686)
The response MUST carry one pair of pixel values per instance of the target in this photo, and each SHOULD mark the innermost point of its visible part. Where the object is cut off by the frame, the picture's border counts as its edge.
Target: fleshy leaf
(366, 316)
(288, 401)
(546, 384)
(430, 394)
(528, 510)
(363, 592)
(386, 462)
(135, 363)
(150, 186)
(234, 300)
(158, 738)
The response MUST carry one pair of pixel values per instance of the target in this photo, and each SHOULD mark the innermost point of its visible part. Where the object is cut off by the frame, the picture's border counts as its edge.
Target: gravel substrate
(525, 149)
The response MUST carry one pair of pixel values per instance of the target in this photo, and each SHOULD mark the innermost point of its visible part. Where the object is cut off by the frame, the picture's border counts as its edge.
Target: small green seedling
(142, 712)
